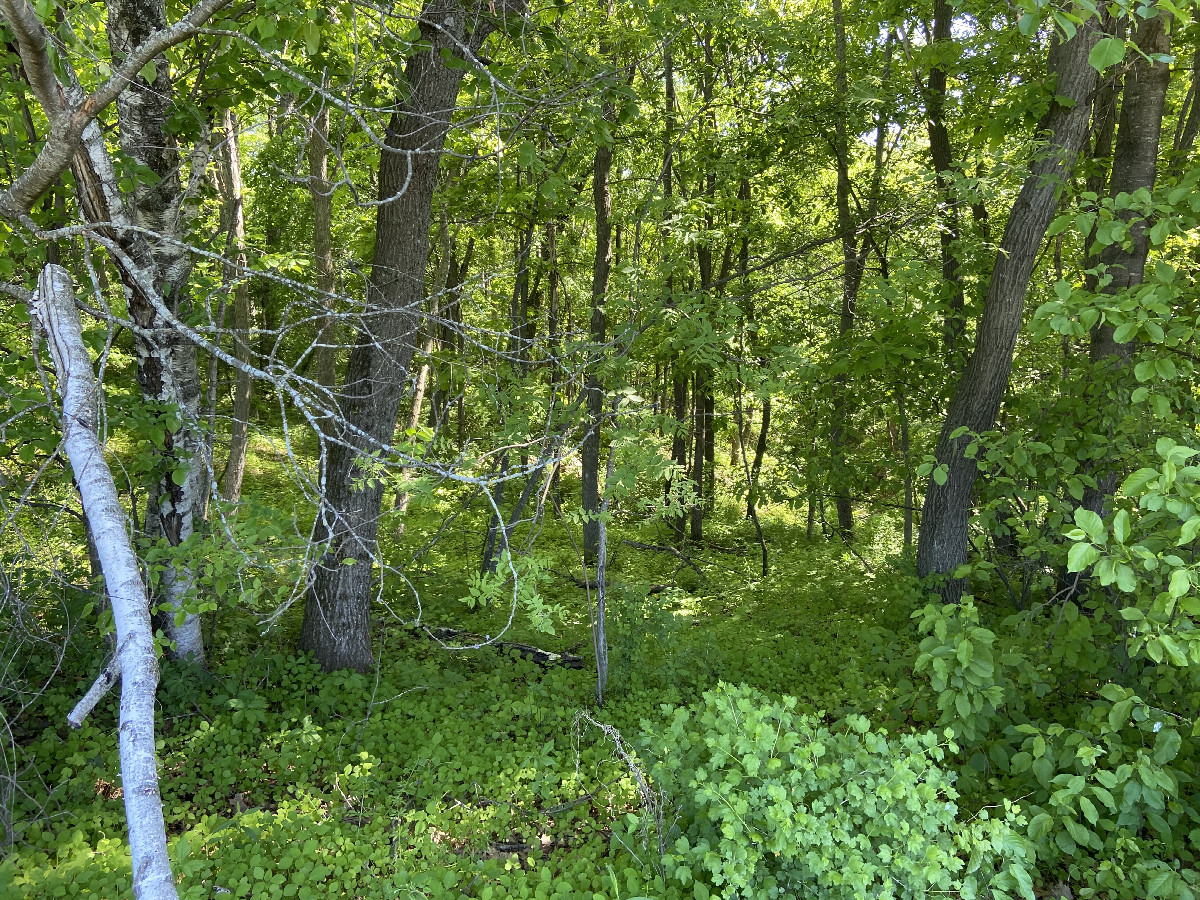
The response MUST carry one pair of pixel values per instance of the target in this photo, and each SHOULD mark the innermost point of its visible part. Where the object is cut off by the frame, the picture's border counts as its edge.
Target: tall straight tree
(336, 623)
(230, 169)
(1134, 167)
(601, 267)
(942, 545)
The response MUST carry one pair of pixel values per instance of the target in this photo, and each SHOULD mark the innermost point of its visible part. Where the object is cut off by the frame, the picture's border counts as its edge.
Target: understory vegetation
(679, 449)
(824, 731)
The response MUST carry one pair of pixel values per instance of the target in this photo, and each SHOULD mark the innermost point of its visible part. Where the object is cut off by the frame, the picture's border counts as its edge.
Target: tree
(337, 613)
(942, 546)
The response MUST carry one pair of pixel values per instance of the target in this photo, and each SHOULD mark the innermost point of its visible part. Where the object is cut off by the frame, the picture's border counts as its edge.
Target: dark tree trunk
(760, 450)
(854, 259)
(322, 201)
(337, 615)
(602, 199)
(1189, 121)
(1135, 161)
(679, 403)
(699, 442)
(942, 156)
(942, 546)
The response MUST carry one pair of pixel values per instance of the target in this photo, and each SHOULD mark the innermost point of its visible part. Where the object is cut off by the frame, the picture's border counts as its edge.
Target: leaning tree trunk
(942, 545)
(135, 662)
(231, 186)
(337, 613)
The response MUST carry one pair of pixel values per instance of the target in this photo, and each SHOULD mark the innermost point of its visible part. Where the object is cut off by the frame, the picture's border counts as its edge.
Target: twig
(658, 548)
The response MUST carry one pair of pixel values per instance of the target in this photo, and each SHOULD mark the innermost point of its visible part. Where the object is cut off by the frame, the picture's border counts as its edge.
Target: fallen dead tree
(134, 662)
(467, 641)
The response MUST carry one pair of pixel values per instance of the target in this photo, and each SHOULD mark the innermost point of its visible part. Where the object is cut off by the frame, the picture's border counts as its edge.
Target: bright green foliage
(777, 804)
(958, 659)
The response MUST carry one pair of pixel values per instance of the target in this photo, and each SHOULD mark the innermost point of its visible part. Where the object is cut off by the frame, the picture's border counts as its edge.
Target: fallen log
(542, 657)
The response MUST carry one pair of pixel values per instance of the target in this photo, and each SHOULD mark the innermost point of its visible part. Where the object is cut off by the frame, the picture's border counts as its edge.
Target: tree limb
(67, 109)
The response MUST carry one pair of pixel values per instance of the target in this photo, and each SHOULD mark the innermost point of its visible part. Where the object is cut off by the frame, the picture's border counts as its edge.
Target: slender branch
(68, 110)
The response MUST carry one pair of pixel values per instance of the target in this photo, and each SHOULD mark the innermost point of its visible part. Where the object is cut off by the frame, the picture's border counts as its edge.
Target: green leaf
(1166, 746)
(1108, 52)
(1181, 583)
(1138, 480)
(1125, 333)
(1188, 532)
(1088, 808)
(1118, 715)
(1081, 556)
(1121, 525)
(312, 38)
(1091, 523)
(1039, 826)
(1126, 579)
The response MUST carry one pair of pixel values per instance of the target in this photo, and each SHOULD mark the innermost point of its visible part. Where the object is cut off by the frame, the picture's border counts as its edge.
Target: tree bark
(243, 314)
(135, 661)
(322, 202)
(679, 402)
(696, 512)
(337, 613)
(167, 366)
(1135, 166)
(942, 545)
(602, 198)
(942, 156)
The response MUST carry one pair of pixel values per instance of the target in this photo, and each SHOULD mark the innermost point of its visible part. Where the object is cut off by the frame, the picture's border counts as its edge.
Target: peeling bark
(168, 370)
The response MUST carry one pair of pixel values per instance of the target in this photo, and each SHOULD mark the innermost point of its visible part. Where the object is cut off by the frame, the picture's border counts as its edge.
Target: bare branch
(69, 112)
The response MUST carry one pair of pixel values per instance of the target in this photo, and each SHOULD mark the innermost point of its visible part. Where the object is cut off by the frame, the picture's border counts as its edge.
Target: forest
(644, 449)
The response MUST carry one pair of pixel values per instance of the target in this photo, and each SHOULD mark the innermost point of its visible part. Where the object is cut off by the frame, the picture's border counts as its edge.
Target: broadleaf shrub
(772, 803)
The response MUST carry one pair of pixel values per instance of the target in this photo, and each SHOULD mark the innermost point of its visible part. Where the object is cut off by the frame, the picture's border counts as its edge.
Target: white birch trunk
(54, 307)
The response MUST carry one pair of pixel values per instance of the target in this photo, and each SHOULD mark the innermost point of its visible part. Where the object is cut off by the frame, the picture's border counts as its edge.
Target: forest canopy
(656, 448)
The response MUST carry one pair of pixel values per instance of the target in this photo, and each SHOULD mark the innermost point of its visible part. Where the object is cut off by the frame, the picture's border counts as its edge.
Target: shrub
(772, 803)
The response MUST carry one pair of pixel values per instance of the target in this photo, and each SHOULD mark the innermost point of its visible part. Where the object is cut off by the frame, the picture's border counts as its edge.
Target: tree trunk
(322, 202)
(337, 613)
(600, 624)
(679, 403)
(601, 266)
(853, 266)
(942, 545)
(942, 156)
(1135, 161)
(488, 564)
(699, 442)
(167, 366)
(135, 661)
(231, 186)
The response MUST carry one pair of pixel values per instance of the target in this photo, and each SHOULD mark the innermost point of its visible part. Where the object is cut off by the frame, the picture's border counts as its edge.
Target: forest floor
(460, 773)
